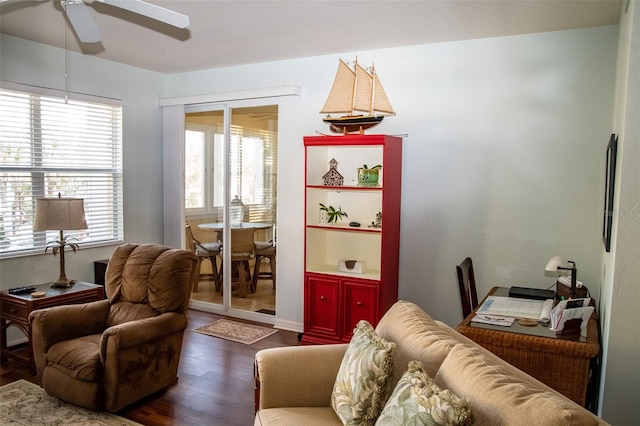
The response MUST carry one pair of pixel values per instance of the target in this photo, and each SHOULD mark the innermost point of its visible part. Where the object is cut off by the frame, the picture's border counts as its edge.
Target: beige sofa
(294, 384)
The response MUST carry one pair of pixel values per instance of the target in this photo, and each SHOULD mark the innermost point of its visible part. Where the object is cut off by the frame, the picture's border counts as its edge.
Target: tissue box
(352, 266)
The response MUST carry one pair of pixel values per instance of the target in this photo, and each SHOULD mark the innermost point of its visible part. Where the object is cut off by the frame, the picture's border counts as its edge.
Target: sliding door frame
(174, 111)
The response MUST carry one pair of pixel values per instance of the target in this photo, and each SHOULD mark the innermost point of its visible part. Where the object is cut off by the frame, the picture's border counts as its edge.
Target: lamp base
(63, 283)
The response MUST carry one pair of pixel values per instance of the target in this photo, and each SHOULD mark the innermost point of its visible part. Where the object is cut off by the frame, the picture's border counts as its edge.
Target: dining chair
(209, 251)
(467, 286)
(265, 249)
(243, 250)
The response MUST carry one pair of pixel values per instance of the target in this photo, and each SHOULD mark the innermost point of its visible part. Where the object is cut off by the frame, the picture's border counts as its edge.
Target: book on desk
(523, 302)
(513, 307)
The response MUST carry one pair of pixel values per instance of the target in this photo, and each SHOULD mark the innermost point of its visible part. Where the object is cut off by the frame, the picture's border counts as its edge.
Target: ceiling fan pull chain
(66, 56)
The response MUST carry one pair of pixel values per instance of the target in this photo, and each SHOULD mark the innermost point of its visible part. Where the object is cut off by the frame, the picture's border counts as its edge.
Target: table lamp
(60, 214)
(557, 264)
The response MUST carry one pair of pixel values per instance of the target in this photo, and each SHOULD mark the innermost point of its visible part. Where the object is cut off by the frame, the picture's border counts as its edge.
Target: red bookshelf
(335, 301)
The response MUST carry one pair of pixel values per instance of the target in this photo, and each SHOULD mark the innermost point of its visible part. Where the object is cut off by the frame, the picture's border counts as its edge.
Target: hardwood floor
(215, 380)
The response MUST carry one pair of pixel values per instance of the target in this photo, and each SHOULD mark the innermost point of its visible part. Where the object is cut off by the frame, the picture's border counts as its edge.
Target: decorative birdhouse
(332, 177)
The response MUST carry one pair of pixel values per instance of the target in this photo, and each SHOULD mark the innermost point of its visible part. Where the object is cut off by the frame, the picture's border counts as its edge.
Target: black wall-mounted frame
(609, 185)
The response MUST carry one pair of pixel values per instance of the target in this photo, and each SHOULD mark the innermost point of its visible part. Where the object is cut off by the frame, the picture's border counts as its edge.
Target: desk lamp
(59, 214)
(557, 264)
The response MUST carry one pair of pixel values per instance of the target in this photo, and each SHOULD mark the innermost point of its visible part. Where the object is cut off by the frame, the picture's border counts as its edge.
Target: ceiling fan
(87, 30)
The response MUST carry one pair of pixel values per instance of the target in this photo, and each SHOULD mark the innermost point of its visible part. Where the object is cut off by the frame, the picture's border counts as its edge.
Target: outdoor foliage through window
(50, 146)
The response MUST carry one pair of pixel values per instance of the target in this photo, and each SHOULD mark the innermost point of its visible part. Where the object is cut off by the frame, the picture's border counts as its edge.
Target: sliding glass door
(230, 195)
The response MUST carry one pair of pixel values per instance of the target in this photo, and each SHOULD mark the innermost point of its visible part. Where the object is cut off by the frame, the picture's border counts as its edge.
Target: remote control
(21, 290)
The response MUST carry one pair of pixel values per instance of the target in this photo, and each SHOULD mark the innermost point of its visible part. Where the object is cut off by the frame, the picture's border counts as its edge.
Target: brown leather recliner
(108, 354)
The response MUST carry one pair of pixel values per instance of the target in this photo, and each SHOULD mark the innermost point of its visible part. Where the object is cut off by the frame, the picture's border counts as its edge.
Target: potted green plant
(333, 215)
(368, 176)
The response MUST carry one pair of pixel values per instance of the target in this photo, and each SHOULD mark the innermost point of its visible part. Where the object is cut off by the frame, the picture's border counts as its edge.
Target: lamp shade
(59, 214)
(554, 263)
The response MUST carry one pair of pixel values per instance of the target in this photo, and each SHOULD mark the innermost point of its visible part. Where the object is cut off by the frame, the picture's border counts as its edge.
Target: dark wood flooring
(215, 381)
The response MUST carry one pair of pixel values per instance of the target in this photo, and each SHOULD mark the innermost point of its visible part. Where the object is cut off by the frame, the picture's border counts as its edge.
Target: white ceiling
(226, 32)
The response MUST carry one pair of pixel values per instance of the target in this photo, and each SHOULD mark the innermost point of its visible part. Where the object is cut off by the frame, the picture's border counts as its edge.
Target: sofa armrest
(297, 376)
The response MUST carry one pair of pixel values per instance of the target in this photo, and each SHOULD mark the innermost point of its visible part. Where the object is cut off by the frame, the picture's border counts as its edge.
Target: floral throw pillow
(362, 384)
(417, 400)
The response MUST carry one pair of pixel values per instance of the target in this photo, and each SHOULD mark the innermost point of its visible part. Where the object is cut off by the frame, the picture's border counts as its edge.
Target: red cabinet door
(322, 307)
(361, 303)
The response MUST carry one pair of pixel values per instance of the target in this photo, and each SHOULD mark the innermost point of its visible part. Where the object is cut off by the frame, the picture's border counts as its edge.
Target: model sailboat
(359, 94)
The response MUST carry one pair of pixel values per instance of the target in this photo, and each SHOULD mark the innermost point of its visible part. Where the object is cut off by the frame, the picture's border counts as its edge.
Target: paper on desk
(556, 313)
(493, 319)
(545, 313)
(517, 308)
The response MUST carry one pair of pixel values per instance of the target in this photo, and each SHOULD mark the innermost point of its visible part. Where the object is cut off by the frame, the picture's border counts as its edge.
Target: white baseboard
(298, 327)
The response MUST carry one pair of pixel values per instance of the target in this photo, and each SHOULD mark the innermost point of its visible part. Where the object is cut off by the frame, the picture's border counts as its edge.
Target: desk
(561, 364)
(219, 226)
(15, 310)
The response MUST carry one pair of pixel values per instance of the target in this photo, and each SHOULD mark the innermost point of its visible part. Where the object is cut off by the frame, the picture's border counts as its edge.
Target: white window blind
(254, 171)
(49, 146)
(253, 176)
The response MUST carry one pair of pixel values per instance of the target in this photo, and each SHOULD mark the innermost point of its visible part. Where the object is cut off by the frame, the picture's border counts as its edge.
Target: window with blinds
(51, 146)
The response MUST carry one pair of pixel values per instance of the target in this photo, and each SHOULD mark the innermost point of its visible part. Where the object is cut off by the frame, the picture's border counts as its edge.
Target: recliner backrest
(151, 274)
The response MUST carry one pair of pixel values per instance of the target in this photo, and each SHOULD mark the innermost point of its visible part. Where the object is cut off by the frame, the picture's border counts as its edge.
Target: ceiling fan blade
(151, 11)
(81, 21)
(15, 1)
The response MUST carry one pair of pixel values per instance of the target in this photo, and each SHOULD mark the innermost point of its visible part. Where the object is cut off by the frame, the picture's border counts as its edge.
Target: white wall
(503, 161)
(25, 62)
(621, 290)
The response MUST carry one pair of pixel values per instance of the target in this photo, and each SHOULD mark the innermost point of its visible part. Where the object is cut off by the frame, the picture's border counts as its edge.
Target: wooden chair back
(192, 243)
(467, 286)
(242, 241)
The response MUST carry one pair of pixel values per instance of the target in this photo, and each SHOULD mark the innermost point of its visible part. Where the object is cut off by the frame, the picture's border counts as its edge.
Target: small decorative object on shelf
(378, 222)
(368, 176)
(333, 214)
(333, 177)
(367, 106)
(352, 266)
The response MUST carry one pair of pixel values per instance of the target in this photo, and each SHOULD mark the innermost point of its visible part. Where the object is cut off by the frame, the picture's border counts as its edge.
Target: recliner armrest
(52, 325)
(297, 376)
(140, 332)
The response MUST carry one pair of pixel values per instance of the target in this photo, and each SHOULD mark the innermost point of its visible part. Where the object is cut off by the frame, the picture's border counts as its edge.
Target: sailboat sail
(381, 101)
(340, 100)
(359, 94)
(363, 99)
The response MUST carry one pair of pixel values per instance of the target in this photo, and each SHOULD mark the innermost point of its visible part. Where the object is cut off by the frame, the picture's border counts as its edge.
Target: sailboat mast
(373, 89)
(355, 86)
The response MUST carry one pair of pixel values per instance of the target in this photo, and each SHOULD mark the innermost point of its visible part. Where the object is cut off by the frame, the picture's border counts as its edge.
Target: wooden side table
(561, 364)
(15, 310)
